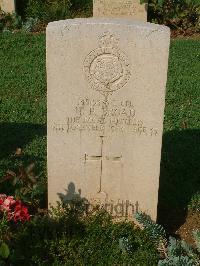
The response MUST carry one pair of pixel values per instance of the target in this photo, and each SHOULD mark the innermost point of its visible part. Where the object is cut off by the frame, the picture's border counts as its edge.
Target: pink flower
(8, 202)
(2, 199)
(14, 209)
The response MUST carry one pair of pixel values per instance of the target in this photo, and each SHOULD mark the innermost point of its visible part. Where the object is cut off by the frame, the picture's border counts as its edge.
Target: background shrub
(21, 7)
(10, 21)
(177, 14)
(69, 239)
(48, 10)
(82, 8)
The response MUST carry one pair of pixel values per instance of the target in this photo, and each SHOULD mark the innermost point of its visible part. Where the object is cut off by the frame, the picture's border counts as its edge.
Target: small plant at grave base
(155, 231)
(194, 204)
(196, 235)
(4, 233)
(70, 238)
(29, 25)
(26, 185)
(11, 210)
(173, 252)
(10, 22)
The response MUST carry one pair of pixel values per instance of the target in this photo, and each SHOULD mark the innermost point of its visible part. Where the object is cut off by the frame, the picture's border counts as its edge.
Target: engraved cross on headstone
(101, 157)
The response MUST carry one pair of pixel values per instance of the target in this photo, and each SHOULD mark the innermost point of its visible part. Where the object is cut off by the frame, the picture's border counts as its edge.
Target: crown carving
(108, 40)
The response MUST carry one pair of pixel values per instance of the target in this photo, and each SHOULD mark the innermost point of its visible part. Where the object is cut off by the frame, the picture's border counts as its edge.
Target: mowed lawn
(23, 116)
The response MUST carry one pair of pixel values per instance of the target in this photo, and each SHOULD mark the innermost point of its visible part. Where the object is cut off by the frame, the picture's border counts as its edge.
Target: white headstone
(106, 98)
(132, 9)
(8, 6)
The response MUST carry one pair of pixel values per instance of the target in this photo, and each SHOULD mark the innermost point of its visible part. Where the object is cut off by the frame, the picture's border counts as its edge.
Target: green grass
(180, 167)
(23, 115)
(22, 100)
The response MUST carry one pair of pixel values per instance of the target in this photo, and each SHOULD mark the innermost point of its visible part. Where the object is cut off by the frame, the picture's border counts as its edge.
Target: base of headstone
(7, 6)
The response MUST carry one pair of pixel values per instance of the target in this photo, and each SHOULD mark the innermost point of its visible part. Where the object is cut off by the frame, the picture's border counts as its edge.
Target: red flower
(21, 213)
(14, 209)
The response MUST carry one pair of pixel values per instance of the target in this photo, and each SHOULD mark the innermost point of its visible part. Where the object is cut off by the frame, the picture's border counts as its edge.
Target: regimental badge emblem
(107, 68)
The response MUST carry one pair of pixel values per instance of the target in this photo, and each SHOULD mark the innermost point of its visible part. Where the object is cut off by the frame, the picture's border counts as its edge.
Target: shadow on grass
(179, 177)
(19, 135)
(21, 6)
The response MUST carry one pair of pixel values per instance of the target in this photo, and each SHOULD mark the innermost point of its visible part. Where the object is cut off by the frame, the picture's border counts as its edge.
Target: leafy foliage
(12, 212)
(4, 228)
(176, 252)
(4, 250)
(26, 185)
(182, 15)
(29, 25)
(9, 22)
(14, 22)
(68, 238)
(48, 10)
(180, 253)
(194, 204)
(81, 8)
(156, 231)
(178, 261)
(177, 14)
(196, 235)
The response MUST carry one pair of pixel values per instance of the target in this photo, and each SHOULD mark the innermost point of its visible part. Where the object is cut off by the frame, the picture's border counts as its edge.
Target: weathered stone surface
(120, 9)
(106, 96)
(7, 6)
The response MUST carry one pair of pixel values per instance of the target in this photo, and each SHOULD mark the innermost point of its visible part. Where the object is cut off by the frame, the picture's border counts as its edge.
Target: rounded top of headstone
(106, 21)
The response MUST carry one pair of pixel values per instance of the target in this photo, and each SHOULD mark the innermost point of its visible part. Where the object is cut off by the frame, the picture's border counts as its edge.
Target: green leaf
(160, 3)
(4, 251)
(15, 180)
